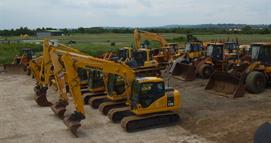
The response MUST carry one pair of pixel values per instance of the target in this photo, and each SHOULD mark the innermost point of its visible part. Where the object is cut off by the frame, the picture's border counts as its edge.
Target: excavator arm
(138, 34)
(47, 69)
(72, 61)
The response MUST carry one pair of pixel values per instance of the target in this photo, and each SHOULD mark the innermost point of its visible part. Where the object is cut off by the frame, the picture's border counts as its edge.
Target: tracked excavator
(165, 53)
(42, 69)
(150, 102)
(251, 76)
(95, 79)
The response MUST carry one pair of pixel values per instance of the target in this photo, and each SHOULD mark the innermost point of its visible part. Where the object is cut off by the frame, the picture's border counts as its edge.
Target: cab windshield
(261, 53)
(147, 93)
(230, 46)
(192, 47)
(255, 52)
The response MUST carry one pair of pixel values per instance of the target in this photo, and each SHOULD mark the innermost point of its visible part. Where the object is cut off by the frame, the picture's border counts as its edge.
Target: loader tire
(205, 71)
(255, 82)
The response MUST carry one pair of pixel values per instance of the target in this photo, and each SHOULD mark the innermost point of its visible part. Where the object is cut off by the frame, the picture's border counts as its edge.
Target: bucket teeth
(73, 122)
(59, 108)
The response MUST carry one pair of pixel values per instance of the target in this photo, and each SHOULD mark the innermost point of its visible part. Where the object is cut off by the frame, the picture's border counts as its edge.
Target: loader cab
(27, 52)
(231, 50)
(145, 91)
(215, 51)
(194, 49)
(261, 52)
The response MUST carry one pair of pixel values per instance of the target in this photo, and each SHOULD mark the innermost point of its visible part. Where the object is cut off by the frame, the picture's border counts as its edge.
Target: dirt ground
(205, 118)
(22, 120)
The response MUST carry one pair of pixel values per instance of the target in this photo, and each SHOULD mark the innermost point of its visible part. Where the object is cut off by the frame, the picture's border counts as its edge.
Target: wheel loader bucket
(225, 84)
(183, 71)
(14, 69)
(263, 134)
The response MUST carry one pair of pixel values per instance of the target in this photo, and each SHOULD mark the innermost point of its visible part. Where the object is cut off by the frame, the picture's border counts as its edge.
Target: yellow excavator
(165, 53)
(252, 76)
(95, 87)
(42, 69)
(150, 102)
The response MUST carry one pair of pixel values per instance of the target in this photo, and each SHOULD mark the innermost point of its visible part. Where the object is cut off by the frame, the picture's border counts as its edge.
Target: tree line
(97, 30)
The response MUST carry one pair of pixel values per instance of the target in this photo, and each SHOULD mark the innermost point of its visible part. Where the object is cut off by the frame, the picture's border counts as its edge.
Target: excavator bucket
(183, 71)
(15, 68)
(73, 122)
(41, 98)
(226, 84)
(59, 108)
(263, 134)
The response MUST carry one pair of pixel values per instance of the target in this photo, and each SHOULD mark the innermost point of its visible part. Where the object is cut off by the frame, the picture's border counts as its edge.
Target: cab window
(150, 92)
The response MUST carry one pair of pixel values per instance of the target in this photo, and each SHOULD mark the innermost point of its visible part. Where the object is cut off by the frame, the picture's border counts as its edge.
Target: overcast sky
(134, 13)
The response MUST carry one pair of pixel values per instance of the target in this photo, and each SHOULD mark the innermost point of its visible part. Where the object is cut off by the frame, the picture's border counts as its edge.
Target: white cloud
(87, 13)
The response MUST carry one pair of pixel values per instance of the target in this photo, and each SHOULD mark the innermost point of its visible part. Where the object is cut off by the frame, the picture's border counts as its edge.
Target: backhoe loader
(163, 54)
(150, 102)
(252, 76)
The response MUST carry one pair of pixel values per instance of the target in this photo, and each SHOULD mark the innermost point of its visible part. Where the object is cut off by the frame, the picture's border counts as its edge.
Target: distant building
(48, 33)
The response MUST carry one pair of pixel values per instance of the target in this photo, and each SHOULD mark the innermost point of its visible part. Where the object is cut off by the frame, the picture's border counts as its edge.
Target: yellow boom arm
(72, 61)
(138, 34)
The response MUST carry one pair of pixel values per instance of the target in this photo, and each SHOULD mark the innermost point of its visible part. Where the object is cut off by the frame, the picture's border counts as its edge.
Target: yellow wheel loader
(218, 57)
(251, 76)
(20, 63)
(150, 102)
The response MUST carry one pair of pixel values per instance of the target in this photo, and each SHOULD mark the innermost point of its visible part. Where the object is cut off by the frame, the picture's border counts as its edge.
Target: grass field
(95, 44)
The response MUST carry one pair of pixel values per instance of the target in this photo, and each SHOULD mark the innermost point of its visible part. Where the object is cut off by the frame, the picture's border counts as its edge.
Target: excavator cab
(151, 104)
(124, 53)
(115, 86)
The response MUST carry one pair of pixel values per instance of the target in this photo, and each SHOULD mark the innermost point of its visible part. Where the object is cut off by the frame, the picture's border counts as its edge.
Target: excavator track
(95, 102)
(88, 95)
(117, 114)
(105, 107)
(135, 122)
(59, 108)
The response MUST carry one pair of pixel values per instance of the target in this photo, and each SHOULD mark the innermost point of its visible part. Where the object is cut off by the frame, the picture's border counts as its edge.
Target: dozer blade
(226, 84)
(14, 69)
(182, 71)
(263, 134)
